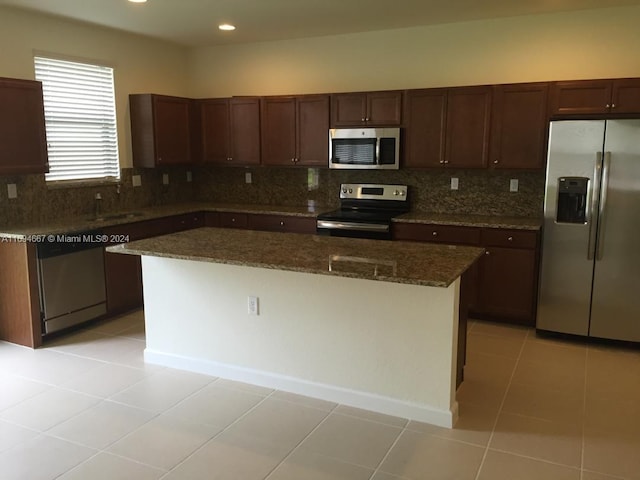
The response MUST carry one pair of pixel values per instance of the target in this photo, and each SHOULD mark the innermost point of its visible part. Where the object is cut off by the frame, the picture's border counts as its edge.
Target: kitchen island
(371, 324)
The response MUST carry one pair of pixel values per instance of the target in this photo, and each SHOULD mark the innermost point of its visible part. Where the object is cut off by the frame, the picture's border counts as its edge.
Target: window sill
(98, 182)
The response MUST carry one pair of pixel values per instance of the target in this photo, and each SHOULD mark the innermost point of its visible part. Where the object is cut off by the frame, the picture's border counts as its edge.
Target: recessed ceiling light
(226, 27)
(138, 1)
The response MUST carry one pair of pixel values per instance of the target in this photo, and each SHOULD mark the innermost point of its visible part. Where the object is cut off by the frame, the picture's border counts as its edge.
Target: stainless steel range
(365, 211)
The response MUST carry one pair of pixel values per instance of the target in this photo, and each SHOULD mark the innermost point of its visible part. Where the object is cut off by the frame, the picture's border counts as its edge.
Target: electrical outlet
(247, 177)
(165, 179)
(454, 183)
(12, 190)
(253, 306)
(189, 176)
(136, 180)
(513, 185)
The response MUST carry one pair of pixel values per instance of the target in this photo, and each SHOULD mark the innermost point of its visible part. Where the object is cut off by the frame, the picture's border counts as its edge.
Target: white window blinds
(80, 118)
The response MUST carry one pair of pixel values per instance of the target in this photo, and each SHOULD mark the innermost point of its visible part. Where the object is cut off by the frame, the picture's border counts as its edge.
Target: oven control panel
(371, 191)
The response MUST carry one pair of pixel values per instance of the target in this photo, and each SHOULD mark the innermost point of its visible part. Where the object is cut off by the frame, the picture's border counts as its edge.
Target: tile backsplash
(482, 192)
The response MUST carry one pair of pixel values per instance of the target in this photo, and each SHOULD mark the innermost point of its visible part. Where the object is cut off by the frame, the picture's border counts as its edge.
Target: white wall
(599, 43)
(140, 64)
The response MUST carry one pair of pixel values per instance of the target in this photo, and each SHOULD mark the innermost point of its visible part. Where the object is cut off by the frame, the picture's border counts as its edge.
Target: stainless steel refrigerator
(590, 271)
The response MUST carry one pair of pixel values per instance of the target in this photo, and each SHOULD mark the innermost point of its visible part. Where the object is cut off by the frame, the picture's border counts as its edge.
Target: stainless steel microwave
(364, 148)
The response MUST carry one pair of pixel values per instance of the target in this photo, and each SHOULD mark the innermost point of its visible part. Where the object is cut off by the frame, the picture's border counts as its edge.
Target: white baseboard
(331, 393)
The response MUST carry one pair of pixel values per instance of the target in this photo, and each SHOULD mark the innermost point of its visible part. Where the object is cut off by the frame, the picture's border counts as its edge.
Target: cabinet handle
(229, 158)
(446, 161)
(366, 119)
(282, 224)
(487, 252)
(607, 106)
(293, 160)
(510, 239)
(495, 161)
(441, 161)
(362, 119)
(435, 234)
(233, 220)
(613, 105)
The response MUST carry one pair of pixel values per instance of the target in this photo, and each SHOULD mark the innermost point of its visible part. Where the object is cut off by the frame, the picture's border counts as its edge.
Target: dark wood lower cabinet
(282, 223)
(123, 280)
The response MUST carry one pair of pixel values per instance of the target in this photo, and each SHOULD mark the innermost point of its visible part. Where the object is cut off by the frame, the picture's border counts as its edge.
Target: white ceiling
(194, 23)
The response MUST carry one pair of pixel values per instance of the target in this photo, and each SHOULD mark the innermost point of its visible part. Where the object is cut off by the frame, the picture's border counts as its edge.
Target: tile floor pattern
(87, 407)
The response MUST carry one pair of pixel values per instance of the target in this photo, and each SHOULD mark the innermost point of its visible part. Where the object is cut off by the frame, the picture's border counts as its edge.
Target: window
(80, 118)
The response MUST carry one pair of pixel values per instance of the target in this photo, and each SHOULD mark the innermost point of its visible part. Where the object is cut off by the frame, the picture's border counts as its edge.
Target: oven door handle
(364, 227)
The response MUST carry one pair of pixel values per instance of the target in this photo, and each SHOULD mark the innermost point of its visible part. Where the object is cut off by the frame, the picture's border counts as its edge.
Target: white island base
(381, 346)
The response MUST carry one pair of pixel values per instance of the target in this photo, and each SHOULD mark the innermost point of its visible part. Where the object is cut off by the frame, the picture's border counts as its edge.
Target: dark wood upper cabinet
(214, 124)
(295, 130)
(23, 141)
(366, 109)
(580, 97)
(244, 130)
(625, 96)
(230, 130)
(425, 120)
(519, 126)
(312, 133)
(467, 127)
(160, 130)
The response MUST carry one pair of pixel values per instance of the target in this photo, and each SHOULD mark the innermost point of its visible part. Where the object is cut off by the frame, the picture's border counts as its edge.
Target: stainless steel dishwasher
(71, 280)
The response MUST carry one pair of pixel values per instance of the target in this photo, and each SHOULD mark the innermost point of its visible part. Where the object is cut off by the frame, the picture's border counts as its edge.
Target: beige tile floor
(87, 407)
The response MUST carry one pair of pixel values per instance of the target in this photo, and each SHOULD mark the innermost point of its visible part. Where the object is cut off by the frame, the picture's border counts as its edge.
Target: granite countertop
(489, 221)
(88, 222)
(399, 262)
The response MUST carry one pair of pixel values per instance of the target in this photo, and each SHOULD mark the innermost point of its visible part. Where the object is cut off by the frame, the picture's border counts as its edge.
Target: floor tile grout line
(217, 434)
(329, 413)
(386, 455)
(504, 398)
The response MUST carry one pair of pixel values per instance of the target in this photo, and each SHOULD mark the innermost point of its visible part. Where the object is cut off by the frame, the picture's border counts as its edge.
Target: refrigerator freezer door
(615, 312)
(566, 272)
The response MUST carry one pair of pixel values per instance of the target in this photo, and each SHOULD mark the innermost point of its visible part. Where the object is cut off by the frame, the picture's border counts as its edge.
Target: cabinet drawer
(436, 233)
(233, 220)
(187, 221)
(281, 223)
(498, 237)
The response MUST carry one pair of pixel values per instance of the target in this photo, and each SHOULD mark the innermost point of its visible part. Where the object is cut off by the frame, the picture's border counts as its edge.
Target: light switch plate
(189, 176)
(12, 190)
(165, 179)
(513, 185)
(136, 180)
(247, 177)
(454, 183)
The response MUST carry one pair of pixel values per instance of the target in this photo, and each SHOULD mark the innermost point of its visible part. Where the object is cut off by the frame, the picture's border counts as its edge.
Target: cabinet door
(187, 221)
(384, 108)
(214, 115)
(626, 96)
(23, 145)
(507, 284)
(425, 115)
(245, 130)
(348, 109)
(313, 130)
(171, 130)
(580, 97)
(123, 281)
(211, 219)
(467, 132)
(278, 130)
(519, 126)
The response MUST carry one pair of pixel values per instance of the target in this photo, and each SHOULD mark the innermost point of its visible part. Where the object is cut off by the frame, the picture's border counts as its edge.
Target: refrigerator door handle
(592, 207)
(603, 205)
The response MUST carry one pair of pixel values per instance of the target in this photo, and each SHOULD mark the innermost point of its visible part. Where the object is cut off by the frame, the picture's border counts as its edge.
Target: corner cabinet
(160, 130)
(230, 130)
(23, 143)
(588, 97)
(362, 109)
(295, 130)
(519, 126)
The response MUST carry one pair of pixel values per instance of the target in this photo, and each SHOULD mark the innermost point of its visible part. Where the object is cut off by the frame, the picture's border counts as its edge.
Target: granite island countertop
(399, 262)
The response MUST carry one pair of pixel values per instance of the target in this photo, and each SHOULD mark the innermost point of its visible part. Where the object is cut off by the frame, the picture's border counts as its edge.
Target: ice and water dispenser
(572, 200)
